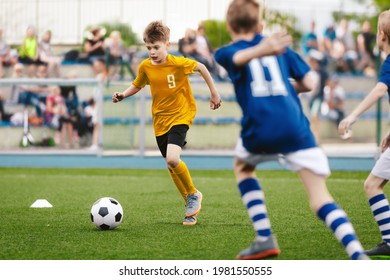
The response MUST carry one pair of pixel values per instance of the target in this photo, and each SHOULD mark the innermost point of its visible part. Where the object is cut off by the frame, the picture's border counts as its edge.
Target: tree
(382, 4)
(280, 21)
(216, 32)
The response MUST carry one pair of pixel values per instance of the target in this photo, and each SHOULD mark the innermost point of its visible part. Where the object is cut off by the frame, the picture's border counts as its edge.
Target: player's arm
(215, 99)
(306, 84)
(375, 94)
(119, 96)
(272, 45)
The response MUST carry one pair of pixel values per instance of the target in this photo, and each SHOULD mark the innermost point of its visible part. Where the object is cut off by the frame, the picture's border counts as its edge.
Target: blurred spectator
(94, 45)
(320, 77)
(91, 110)
(35, 95)
(47, 56)
(365, 43)
(328, 39)
(29, 53)
(204, 48)
(334, 97)
(74, 118)
(4, 115)
(188, 47)
(17, 72)
(116, 52)
(55, 116)
(8, 57)
(100, 67)
(337, 56)
(345, 35)
(187, 44)
(92, 115)
(203, 45)
(69, 93)
(347, 47)
(310, 40)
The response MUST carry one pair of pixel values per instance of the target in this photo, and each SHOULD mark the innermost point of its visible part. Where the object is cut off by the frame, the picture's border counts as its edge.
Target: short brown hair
(243, 16)
(156, 31)
(384, 23)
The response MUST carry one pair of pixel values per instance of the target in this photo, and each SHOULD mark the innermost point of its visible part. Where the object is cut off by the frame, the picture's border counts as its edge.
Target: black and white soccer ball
(106, 213)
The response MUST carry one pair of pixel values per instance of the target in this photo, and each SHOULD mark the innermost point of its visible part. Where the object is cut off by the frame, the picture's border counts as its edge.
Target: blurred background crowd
(112, 52)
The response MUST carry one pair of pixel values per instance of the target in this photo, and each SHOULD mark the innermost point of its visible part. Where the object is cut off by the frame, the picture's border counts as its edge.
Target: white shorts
(382, 166)
(313, 159)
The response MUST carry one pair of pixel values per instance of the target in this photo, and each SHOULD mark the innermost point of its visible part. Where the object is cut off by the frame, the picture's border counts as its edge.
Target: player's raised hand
(345, 127)
(117, 97)
(272, 45)
(277, 43)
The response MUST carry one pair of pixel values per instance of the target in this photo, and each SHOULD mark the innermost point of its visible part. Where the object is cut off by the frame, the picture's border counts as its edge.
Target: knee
(172, 162)
(243, 171)
(370, 187)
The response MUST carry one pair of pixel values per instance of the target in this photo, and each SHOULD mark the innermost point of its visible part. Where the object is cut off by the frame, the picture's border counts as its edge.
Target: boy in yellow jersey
(173, 106)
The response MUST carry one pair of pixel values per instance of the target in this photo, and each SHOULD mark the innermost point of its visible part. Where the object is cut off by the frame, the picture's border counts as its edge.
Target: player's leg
(179, 185)
(178, 169)
(252, 196)
(379, 204)
(176, 140)
(162, 142)
(182, 175)
(312, 166)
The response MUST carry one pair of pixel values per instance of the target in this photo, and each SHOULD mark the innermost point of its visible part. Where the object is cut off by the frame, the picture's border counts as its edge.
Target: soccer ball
(106, 213)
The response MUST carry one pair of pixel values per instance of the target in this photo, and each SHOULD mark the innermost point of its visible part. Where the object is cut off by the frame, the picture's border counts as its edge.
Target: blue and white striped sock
(253, 198)
(381, 210)
(336, 220)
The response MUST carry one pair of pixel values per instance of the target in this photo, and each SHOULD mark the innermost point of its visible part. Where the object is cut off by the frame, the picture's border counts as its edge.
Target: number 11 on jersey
(263, 86)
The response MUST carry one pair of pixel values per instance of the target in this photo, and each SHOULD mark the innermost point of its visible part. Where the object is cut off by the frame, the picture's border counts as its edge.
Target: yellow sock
(179, 185)
(184, 175)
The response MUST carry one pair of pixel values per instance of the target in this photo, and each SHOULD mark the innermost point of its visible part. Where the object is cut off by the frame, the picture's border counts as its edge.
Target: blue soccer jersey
(273, 120)
(384, 76)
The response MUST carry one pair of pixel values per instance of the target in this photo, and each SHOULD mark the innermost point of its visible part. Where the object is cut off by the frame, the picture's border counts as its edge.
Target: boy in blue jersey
(273, 124)
(380, 173)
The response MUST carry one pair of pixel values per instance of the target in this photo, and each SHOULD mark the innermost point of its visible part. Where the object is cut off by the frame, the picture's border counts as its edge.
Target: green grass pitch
(154, 210)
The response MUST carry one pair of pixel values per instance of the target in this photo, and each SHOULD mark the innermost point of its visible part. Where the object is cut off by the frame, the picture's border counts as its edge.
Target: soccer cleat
(381, 251)
(193, 204)
(260, 250)
(189, 221)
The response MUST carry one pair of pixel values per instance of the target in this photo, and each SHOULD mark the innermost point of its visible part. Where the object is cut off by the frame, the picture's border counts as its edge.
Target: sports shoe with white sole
(193, 204)
(381, 251)
(260, 250)
(189, 221)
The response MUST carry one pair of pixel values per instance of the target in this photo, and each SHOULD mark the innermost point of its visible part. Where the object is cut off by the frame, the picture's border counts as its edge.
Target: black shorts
(176, 135)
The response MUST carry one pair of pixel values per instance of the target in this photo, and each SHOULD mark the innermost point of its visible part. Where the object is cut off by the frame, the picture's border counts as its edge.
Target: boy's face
(158, 51)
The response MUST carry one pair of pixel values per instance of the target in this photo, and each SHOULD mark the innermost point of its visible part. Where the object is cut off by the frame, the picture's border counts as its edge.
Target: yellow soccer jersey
(172, 100)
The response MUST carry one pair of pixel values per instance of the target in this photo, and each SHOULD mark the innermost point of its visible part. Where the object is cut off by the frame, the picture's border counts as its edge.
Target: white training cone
(41, 203)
